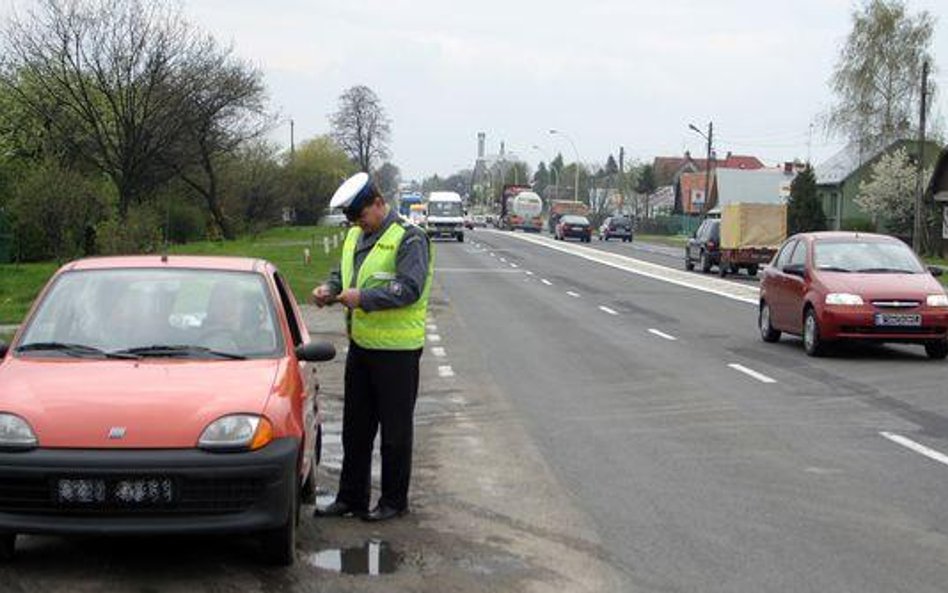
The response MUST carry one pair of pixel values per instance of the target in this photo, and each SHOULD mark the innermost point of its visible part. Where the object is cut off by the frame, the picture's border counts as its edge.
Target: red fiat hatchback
(152, 395)
(852, 286)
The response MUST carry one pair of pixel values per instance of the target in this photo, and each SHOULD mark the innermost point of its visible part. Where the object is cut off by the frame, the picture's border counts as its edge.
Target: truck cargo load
(560, 207)
(524, 212)
(745, 225)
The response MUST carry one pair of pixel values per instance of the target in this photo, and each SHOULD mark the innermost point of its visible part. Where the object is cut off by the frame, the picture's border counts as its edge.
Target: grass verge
(670, 240)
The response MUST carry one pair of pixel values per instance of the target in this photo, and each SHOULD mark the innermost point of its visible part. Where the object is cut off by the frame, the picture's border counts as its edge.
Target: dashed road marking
(439, 352)
(529, 273)
(575, 295)
(608, 310)
(547, 282)
(752, 373)
(663, 335)
(513, 265)
(445, 371)
(434, 338)
(917, 447)
(432, 327)
(492, 254)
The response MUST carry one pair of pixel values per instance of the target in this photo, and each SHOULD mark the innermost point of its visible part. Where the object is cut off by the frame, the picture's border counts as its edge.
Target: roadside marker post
(326, 245)
(307, 258)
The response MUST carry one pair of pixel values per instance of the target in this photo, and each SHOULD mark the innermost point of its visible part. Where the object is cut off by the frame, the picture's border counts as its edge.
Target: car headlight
(937, 300)
(16, 433)
(843, 298)
(238, 432)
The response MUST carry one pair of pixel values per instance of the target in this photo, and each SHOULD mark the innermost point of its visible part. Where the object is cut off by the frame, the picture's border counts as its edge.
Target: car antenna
(167, 233)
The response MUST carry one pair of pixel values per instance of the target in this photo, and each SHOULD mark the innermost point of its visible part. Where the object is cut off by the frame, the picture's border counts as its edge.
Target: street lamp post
(707, 164)
(576, 152)
(556, 174)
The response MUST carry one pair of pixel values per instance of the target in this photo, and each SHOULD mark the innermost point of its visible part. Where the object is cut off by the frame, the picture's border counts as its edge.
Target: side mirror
(795, 270)
(935, 270)
(316, 352)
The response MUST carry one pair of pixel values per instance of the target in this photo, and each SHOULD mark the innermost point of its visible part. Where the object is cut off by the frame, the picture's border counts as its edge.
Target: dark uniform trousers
(381, 388)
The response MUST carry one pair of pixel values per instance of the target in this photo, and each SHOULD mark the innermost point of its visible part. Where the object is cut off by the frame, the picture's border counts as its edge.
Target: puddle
(374, 558)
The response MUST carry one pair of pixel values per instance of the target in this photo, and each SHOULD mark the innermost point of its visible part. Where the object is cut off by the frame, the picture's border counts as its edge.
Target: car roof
(830, 235)
(193, 262)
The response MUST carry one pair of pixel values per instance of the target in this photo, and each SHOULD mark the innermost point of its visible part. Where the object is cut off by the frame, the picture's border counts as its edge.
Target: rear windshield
(868, 257)
(117, 310)
(444, 208)
(573, 219)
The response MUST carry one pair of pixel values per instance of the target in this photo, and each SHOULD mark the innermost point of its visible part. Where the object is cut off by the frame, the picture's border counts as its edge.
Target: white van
(445, 215)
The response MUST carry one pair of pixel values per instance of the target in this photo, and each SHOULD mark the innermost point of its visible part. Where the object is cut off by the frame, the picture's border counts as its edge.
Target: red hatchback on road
(151, 395)
(852, 286)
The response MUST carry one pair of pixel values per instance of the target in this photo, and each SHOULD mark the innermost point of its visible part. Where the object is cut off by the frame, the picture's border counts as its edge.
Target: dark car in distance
(833, 286)
(572, 226)
(616, 227)
(704, 247)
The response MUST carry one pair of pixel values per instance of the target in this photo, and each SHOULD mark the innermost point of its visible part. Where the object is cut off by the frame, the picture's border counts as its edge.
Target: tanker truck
(521, 209)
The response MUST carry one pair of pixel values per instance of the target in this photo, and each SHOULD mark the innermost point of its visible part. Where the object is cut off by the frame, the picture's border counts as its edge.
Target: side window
(799, 254)
(783, 258)
(715, 232)
(701, 235)
(288, 309)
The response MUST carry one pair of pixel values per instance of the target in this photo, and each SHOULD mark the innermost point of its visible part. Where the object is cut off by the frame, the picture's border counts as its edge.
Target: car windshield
(870, 257)
(444, 209)
(149, 312)
(571, 219)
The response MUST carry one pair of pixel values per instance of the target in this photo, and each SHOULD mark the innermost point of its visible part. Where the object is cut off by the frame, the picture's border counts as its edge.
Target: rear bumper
(858, 323)
(213, 492)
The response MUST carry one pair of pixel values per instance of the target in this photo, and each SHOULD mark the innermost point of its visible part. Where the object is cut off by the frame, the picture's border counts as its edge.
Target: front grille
(894, 304)
(193, 497)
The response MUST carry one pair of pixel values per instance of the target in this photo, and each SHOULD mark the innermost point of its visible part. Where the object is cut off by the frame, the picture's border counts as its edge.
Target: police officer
(383, 280)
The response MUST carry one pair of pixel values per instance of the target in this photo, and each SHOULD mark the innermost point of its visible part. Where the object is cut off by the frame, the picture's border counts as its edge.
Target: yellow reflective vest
(402, 328)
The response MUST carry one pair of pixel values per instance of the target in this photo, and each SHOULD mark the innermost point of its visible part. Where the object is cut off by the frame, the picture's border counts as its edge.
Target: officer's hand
(351, 297)
(322, 295)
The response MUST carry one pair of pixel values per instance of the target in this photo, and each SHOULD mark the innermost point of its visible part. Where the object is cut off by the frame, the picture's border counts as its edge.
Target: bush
(185, 222)
(859, 225)
(140, 232)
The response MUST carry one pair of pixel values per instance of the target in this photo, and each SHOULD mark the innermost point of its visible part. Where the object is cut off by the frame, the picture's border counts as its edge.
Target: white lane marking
(432, 327)
(503, 260)
(513, 265)
(547, 282)
(529, 273)
(575, 295)
(663, 335)
(724, 288)
(752, 373)
(434, 338)
(918, 448)
(492, 254)
(439, 352)
(445, 371)
(608, 310)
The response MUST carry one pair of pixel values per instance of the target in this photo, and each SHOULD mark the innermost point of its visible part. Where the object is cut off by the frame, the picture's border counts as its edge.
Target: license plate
(132, 492)
(898, 320)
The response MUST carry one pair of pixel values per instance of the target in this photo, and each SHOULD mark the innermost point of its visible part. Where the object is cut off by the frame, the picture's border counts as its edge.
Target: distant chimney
(688, 154)
(502, 148)
(481, 139)
(728, 156)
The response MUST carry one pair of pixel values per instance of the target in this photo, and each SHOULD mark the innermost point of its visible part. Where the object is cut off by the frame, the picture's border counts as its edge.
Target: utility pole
(621, 179)
(919, 186)
(707, 166)
(292, 140)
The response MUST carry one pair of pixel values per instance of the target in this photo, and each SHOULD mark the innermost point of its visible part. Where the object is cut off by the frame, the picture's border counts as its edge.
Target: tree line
(123, 125)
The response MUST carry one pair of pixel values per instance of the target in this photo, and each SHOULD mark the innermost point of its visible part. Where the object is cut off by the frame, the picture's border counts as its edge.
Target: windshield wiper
(173, 350)
(73, 350)
(833, 269)
(885, 271)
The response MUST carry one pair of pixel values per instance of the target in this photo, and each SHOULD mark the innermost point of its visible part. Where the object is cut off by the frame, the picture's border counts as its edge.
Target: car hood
(882, 286)
(456, 219)
(159, 403)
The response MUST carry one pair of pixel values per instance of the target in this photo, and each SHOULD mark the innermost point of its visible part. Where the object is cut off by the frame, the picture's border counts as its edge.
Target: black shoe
(338, 509)
(384, 512)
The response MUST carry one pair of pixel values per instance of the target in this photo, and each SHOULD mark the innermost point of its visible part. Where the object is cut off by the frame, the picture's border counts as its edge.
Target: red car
(156, 395)
(852, 286)
(573, 226)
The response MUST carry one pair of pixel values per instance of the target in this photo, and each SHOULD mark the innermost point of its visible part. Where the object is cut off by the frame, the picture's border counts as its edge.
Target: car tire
(937, 350)
(689, 265)
(7, 547)
(752, 270)
(813, 344)
(767, 331)
(461, 238)
(705, 262)
(723, 269)
(278, 546)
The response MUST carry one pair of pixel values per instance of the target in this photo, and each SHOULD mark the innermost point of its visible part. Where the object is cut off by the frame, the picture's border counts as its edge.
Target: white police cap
(354, 192)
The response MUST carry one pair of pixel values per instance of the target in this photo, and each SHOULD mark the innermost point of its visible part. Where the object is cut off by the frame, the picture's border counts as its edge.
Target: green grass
(670, 240)
(20, 283)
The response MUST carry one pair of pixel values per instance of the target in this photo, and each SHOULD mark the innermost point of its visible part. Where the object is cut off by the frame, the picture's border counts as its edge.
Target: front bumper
(858, 323)
(213, 492)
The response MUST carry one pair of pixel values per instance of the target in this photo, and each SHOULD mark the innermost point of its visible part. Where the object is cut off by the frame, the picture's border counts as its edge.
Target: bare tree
(361, 127)
(877, 77)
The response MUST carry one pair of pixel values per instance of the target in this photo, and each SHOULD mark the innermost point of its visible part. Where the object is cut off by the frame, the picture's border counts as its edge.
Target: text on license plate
(898, 319)
(131, 491)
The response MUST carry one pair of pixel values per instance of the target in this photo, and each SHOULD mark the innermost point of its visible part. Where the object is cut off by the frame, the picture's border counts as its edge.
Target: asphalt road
(704, 459)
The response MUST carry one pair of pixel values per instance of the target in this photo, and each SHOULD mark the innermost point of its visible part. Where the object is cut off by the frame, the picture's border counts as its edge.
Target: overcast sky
(608, 73)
